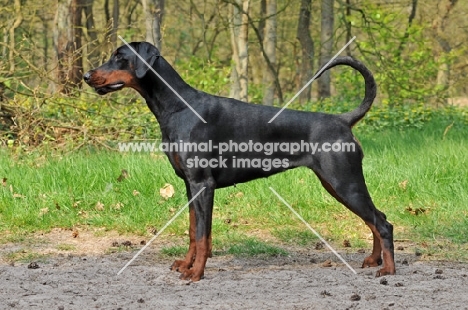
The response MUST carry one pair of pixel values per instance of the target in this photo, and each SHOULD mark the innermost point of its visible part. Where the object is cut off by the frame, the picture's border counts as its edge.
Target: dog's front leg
(202, 216)
(184, 265)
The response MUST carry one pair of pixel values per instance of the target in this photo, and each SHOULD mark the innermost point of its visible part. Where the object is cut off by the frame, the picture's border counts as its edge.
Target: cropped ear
(149, 53)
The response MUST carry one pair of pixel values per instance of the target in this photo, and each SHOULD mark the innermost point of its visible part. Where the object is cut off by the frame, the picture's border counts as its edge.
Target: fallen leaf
(135, 192)
(75, 233)
(123, 175)
(416, 211)
(239, 195)
(403, 184)
(15, 195)
(152, 230)
(118, 206)
(83, 213)
(4, 180)
(127, 243)
(43, 211)
(327, 263)
(325, 293)
(99, 206)
(167, 191)
(319, 246)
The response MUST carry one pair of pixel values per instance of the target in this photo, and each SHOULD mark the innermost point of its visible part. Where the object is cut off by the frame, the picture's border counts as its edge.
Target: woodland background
(262, 51)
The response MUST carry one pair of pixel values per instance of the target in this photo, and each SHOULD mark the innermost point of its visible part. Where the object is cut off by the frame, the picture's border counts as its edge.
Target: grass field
(417, 176)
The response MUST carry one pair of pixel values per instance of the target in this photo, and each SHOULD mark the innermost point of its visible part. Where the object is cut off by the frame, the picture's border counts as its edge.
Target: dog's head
(126, 66)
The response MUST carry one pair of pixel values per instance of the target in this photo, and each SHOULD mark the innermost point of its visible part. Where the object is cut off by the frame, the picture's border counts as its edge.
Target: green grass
(417, 176)
(25, 256)
(254, 247)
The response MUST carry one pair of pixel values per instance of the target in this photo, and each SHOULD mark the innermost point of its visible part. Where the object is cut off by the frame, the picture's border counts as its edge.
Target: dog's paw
(372, 261)
(180, 266)
(385, 272)
(192, 275)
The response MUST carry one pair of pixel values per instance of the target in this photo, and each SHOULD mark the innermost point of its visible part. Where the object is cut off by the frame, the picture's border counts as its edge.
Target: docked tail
(354, 116)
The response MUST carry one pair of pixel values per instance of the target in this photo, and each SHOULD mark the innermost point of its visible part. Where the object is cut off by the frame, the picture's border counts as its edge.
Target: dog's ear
(149, 53)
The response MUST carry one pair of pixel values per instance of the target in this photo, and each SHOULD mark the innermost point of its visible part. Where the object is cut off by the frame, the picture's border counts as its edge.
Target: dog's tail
(354, 116)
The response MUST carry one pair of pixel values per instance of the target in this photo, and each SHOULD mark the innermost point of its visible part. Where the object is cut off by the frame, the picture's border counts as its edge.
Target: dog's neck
(160, 98)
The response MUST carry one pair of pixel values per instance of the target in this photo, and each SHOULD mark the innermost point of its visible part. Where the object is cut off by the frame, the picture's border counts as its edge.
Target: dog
(238, 130)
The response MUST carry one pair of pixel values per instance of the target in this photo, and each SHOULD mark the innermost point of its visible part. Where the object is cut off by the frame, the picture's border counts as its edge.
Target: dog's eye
(118, 57)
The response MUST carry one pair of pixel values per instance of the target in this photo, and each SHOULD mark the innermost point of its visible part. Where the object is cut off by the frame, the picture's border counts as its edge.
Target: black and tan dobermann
(238, 124)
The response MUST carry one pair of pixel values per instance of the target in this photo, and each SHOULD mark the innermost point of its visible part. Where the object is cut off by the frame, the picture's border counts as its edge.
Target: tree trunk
(239, 42)
(257, 64)
(158, 19)
(262, 21)
(45, 40)
(147, 8)
(67, 43)
(307, 50)
(62, 34)
(16, 24)
(106, 11)
(348, 27)
(404, 39)
(269, 44)
(115, 22)
(443, 74)
(154, 12)
(75, 45)
(93, 50)
(326, 37)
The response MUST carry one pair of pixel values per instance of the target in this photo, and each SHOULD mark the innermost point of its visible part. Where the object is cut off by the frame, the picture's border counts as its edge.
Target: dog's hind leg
(344, 180)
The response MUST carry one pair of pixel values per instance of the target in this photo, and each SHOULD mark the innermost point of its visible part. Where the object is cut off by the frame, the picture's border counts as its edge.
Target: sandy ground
(298, 281)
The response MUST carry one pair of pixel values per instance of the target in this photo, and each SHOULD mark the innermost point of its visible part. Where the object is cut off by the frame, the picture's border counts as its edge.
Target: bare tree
(106, 11)
(154, 12)
(404, 39)
(269, 44)
(93, 50)
(239, 23)
(16, 24)
(326, 37)
(115, 21)
(348, 26)
(210, 26)
(307, 50)
(75, 46)
(158, 19)
(256, 59)
(444, 8)
(67, 43)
